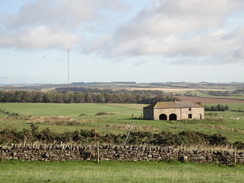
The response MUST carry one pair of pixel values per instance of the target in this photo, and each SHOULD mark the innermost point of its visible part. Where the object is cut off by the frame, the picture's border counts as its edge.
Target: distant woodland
(85, 95)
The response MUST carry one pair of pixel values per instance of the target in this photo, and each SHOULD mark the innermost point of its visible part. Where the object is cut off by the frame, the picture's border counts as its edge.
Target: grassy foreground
(66, 172)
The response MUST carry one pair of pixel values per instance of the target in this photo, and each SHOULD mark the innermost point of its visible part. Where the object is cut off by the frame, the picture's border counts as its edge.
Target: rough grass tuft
(104, 113)
(57, 120)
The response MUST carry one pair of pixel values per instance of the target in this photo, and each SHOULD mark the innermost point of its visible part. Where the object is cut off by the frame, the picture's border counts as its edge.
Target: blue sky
(121, 40)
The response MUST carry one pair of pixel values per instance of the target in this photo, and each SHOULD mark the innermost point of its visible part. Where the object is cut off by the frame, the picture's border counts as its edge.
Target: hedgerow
(10, 135)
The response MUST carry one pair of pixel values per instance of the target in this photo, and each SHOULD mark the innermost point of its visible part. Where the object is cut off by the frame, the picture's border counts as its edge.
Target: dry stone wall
(64, 152)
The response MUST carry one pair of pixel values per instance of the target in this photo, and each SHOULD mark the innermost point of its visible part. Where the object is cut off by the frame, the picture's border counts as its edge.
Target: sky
(121, 40)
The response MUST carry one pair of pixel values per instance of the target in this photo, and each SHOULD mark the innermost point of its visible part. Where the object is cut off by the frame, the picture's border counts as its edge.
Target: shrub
(239, 145)
(104, 113)
(217, 139)
(9, 135)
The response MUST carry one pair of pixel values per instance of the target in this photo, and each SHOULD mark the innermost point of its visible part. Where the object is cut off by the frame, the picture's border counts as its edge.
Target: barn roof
(175, 104)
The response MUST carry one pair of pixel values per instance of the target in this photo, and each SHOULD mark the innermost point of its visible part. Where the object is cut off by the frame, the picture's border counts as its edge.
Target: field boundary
(65, 152)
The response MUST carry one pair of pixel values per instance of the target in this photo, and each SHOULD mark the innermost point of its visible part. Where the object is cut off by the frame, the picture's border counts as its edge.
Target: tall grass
(56, 120)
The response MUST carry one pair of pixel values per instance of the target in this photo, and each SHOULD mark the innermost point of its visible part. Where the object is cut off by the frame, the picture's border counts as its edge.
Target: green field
(200, 93)
(119, 119)
(115, 172)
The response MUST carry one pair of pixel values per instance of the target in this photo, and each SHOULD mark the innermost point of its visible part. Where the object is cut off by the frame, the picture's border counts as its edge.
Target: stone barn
(177, 110)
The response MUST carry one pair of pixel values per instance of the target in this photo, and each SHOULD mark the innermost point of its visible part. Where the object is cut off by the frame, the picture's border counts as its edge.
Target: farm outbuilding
(177, 110)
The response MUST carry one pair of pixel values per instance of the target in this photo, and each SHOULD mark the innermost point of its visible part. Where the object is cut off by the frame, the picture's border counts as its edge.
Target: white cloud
(198, 30)
(55, 24)
(176, 28)
(38, 37)
(179, 17)
(64, 13)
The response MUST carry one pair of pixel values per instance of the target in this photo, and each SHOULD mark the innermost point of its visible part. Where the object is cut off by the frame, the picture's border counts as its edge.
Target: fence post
(98, 153)
(234, 156)
(128, 134)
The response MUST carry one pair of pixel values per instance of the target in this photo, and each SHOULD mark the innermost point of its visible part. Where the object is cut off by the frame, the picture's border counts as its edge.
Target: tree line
(97, 90)
(218, 107)
(81, 97)
(225, 93)
(219, 93)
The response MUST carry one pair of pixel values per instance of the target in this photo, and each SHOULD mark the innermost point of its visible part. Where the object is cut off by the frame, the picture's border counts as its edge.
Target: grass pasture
(115, 172)
(70, 110)
(117, 120)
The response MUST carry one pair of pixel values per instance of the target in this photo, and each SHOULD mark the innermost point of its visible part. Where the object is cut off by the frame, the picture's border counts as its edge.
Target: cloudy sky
(121, 40)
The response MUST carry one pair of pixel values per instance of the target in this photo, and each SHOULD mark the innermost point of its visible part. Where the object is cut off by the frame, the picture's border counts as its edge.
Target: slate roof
(170, 105)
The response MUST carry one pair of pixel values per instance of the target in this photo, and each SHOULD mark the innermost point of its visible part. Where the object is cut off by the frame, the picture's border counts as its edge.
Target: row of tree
(218, 107)
(238, 91)
(219, 93)
(225, 93)
(97, 90)
(80, 97)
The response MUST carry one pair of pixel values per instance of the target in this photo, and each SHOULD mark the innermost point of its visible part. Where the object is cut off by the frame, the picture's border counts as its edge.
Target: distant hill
(126, 85)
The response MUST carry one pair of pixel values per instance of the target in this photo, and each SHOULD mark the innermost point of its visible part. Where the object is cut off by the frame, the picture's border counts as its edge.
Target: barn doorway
(162, 117)
(173, 117)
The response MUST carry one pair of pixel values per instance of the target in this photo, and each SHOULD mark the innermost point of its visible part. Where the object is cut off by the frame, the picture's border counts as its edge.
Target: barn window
(189, 116)
(189, 109)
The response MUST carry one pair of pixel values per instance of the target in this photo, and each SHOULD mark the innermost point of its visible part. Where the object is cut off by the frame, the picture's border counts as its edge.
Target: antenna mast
(68, 67)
